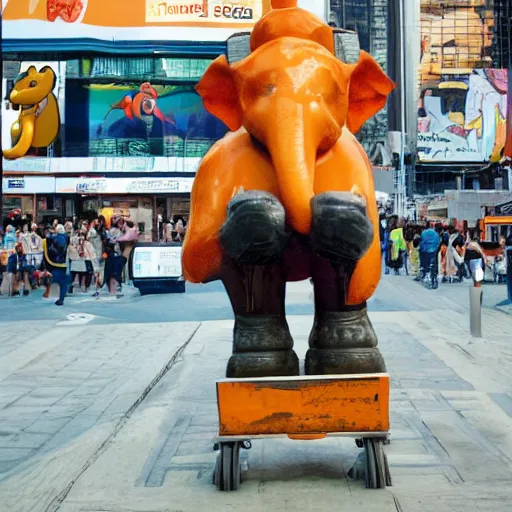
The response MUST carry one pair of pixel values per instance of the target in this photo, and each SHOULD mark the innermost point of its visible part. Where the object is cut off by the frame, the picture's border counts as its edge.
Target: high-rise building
(118, 85)
(370, 19)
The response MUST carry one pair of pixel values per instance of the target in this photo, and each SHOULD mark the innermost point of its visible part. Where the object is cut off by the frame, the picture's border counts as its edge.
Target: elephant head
(294, 93)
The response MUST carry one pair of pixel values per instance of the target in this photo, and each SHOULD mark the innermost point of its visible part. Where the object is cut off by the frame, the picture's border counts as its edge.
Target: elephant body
(247, 166)
(289, 194)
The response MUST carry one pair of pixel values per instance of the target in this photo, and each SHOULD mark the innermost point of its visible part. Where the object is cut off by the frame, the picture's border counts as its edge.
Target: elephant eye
(32, 84)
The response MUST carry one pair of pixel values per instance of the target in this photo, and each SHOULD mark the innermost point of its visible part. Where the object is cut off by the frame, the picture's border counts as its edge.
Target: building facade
(463, 95)
(131, 128)
(370, 19)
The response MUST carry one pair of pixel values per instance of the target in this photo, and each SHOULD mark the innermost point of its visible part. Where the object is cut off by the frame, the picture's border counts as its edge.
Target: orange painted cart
(303, 408)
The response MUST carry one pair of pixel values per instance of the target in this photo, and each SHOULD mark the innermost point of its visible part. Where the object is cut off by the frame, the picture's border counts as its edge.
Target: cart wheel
(227, 466)
(236, 469)
(371, 465)
(227, 475)
(377, 475)
(379, 459)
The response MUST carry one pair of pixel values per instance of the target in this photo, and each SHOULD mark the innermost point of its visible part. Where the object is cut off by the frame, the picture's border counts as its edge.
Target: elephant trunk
(293, 145)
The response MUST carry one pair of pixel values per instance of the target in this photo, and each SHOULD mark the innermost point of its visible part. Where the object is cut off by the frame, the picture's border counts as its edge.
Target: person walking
(392, 224)
(128, 239)
(17, 271)
(94, 236)
(9, 237)
(414, 251)
(475, 259)
(398, 247)
(55, 247)
(115, 262)
(76, 256)
(429, 250)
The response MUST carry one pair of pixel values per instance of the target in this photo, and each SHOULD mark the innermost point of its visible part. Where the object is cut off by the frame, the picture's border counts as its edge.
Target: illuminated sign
(86, 187)
(129, 20)
(157, 262)
(123, 185)
(203, 11)
(180, 10)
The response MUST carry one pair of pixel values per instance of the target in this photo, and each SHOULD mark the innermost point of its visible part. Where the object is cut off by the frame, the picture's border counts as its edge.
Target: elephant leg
(342, 340)
(253, 239)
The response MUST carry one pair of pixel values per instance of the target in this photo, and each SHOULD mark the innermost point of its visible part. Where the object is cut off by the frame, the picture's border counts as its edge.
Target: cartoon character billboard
(35, 122)
(147, 119)
(463, 118)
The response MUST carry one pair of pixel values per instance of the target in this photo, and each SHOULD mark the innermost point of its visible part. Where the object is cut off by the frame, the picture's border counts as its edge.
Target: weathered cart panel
(307, 405)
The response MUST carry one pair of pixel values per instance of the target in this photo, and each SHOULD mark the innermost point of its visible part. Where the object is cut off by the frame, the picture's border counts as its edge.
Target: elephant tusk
(25, 141)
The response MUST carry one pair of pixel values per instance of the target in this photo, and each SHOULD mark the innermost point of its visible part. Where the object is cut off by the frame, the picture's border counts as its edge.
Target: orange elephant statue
(288, 194)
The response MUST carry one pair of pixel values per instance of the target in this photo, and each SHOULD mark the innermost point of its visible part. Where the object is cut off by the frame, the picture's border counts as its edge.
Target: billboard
(462, 115)
(128, 19)
(463, 118)
(40, 84)
(142, 119)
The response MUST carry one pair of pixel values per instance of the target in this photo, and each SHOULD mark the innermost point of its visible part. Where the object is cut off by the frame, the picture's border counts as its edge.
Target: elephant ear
(368, 92)
(218, 90)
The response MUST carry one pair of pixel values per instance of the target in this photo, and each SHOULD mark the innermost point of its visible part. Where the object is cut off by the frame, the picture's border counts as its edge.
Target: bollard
(475, 312)
(508, 254)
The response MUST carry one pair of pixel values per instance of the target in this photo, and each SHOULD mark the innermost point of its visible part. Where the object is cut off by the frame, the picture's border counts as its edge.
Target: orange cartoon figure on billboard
(140, 103)
(289, 193)
(38, 123)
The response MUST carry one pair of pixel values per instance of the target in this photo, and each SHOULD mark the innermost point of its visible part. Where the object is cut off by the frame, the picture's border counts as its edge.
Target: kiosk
(156, 268)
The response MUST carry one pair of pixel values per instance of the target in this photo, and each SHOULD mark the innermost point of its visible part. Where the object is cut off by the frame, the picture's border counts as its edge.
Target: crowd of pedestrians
(82, 256)
(434, 250)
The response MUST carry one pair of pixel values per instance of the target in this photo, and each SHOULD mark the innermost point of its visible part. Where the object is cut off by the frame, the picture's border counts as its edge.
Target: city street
(110, 405)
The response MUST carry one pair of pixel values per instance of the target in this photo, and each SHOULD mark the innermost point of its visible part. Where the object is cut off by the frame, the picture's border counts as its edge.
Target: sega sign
(233, 12)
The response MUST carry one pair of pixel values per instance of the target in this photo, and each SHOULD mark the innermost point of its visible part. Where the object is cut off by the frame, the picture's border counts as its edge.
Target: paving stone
(23, 440)
(46, 426)
(504, 400)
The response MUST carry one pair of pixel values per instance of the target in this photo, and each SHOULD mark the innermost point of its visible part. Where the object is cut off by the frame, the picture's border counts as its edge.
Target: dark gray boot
(253, 239)
(342, 340)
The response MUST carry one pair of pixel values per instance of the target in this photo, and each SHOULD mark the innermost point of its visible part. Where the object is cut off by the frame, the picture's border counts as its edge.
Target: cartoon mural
(38, 123)
(151, 119)
(463, 118)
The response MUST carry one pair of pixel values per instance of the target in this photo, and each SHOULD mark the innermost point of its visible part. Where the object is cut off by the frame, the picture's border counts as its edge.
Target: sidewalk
(451, 430)
(451, 436)
(141, 415)
(66, 389)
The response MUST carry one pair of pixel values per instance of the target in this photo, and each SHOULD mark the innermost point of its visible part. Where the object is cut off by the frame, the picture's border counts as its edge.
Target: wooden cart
(303, 408)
